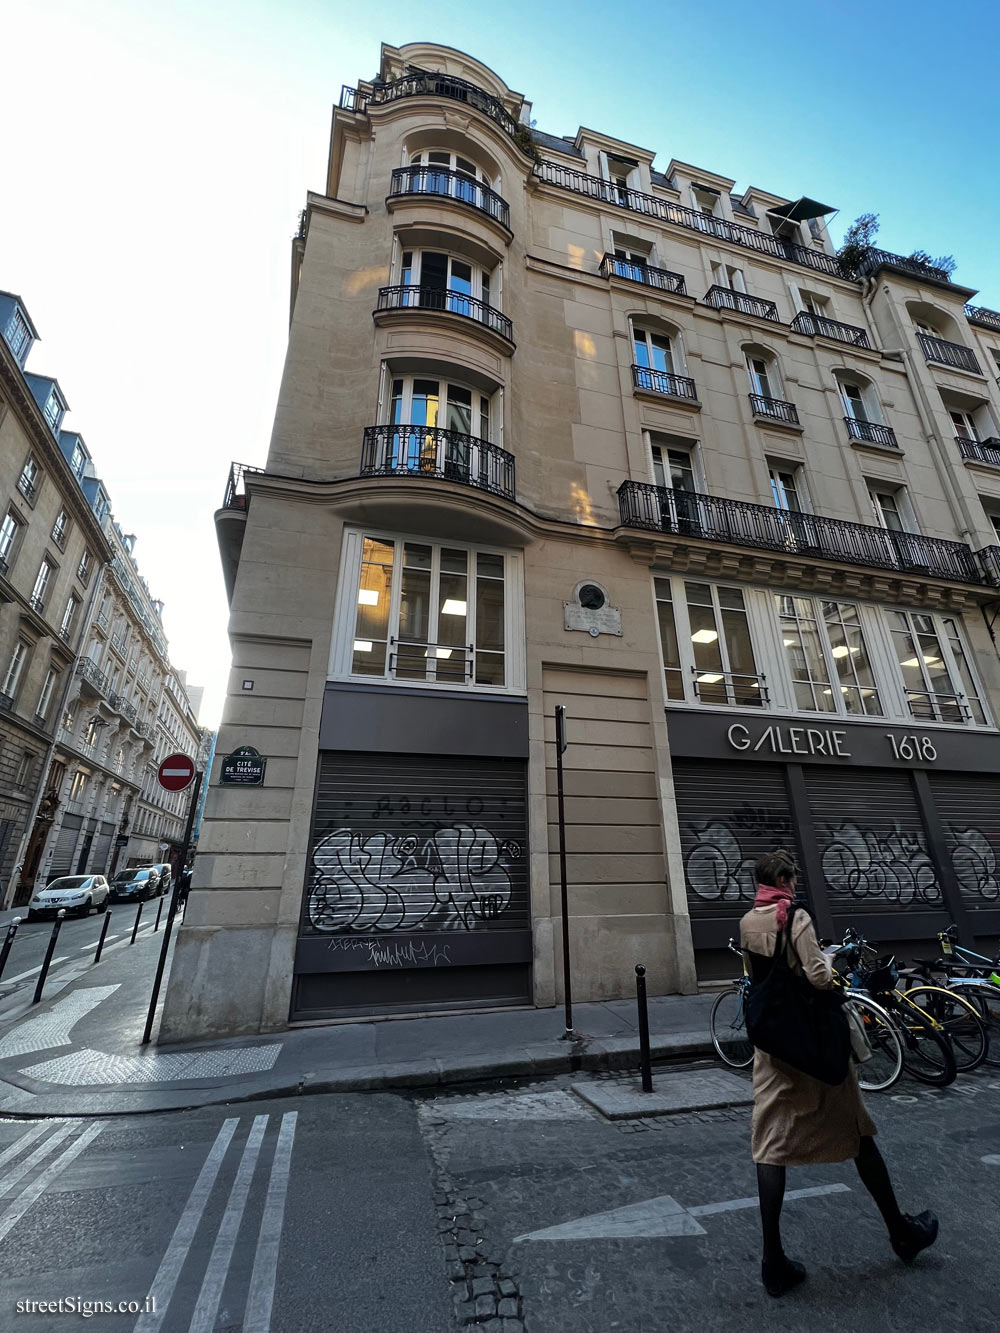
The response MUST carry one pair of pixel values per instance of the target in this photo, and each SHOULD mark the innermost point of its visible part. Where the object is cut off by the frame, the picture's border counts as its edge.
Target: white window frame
(42, 580)
(72, 606)
(15, 670)
(771, 370)
(29, 478)
(895, 674)
(342, 646)
(9, 530)
(872, 640)
(798, 474)
(869, 400)
(419, 158)
(417, 252)
(682, 626)
(385, 414)
(45, 695)
(676, 364)
(903, 506)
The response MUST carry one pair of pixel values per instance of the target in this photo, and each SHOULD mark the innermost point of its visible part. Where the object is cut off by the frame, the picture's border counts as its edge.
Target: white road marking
(207, 1307)
(172, 1262)
(658, 1217)
(13, 1215)
(35, 1132)
(46, 1031)
(991, 1159)
(22, 1169)
(23, 976)
(257, 1317)
(88, 1067)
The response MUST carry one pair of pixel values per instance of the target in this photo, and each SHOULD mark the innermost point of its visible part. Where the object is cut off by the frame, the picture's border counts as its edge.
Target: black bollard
(11, 932)
(136, 926)
(56, 927)
(640, 995)
(156, 924)
(104, 931)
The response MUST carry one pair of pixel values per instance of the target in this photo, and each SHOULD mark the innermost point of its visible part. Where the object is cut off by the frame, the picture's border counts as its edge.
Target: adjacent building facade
(89, 702)
(557, 427)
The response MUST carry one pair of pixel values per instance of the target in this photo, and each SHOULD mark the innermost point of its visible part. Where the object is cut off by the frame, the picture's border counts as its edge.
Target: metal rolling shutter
(417, 882)
(100, 852)
(65, 845)
(728, 815)
(871, 841)
(969, 808)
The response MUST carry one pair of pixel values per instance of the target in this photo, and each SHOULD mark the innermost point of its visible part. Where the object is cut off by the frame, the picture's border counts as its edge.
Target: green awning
(801, 210)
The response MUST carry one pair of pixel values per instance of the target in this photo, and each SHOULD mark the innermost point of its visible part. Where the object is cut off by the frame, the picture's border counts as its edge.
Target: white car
(71, 893)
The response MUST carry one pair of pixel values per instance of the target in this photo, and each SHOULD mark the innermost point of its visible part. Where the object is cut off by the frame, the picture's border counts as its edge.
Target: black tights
(874, 1176)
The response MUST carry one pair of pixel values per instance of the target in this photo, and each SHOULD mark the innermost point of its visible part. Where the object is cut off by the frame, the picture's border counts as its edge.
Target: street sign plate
(245, 767)
(176, 772)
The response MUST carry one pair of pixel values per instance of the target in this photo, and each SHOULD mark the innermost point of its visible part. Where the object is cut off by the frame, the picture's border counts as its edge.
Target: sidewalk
(79, 1052)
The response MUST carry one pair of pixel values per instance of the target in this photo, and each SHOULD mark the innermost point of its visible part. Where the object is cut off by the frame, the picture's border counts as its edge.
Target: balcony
(761, 527)
(646, 274)
(118, 644)
(443, 183)
(429, 84)
(737, 689)
(989, 563)
(871, 432)
(989, 319)
(724, 298)
(664, 383)
(818, 326)
(433, 453)
(90, 672)
(37, 604)
(874, 259)
(664, 210)
(6, 702)
(774, 409)
(980, 451)
(948, 354)
(445, 300)
(235, 496)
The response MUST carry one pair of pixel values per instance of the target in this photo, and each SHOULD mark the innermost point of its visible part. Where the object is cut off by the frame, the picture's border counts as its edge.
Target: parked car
(72, 893)
(135, 885)
(166, 877)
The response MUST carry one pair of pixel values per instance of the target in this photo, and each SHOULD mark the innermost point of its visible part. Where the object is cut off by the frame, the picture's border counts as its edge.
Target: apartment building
(560, 427)
(89, 701)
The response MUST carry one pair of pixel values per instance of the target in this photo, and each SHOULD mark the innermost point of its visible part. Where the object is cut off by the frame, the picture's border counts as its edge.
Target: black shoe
(783, 1276)
(915, 1235)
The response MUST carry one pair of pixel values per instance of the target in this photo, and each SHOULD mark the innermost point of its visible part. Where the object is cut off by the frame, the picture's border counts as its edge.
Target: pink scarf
(769, 896)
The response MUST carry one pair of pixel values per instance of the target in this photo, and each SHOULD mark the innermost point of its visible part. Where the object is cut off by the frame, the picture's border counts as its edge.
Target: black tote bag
(788, 1018)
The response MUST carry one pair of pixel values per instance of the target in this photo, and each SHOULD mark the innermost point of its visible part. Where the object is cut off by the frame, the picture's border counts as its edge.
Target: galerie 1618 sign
(243, 768)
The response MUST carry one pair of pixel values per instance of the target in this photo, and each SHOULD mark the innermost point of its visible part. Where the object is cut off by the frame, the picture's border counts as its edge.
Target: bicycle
(928, 1054)
(728, 1024)
(970, 975)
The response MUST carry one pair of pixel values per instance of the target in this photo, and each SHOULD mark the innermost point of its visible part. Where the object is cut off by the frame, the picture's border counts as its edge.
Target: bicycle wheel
(886, 1064)
(986, 997)
(729, 1029)
(962, 1024)
(927, 1053)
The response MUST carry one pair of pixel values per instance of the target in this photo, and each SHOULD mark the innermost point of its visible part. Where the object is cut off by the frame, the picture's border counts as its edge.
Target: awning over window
(801, 211)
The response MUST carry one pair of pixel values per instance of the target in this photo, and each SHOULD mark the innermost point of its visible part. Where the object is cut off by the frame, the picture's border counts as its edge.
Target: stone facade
(738, 464)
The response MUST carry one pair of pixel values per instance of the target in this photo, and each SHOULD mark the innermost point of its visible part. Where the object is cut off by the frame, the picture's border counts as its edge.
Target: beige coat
(797, 1119)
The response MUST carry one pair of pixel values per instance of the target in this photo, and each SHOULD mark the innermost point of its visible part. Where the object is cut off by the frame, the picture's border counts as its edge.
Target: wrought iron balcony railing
(665, 210)
(447, 300)
(444, 455)
(713, 518)
(724, 298)
(613, 267)
(979, 314)
(102, 619)
(935, 706)
(774, 409)
(6, 702)
(4, 567)
(819, 326)
(118, 644)
(948, 354)
(414, 659)
(982, 451)
(422, 83)
(37, 604)
(873, 259)
(444, 183)
(989, 563)
(89, 671)
(871, 432)
(236, 496)
(730, 687)
(662, 381)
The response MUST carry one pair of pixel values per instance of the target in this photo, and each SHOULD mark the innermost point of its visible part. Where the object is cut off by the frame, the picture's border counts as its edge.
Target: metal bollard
(159, 909)
(5, 950)
(104, 931)
(640, 995)
(135, 928)
(56, 927)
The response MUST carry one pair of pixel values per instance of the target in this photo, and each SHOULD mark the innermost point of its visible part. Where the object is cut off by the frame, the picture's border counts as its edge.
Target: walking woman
(797, 1120)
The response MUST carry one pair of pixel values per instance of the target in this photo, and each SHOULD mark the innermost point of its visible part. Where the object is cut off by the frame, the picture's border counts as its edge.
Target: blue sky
(156, 156)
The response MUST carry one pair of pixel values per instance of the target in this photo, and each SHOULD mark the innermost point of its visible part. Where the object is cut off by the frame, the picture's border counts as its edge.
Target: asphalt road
(379, 1213)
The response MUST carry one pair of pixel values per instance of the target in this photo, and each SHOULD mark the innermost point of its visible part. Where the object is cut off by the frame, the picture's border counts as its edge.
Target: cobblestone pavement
(510, 1164)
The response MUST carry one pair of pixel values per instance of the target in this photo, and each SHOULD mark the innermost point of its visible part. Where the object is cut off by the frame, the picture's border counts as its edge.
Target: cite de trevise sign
(243, 768)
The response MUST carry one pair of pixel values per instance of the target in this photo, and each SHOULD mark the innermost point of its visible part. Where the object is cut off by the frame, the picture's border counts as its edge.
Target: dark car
(136, 885)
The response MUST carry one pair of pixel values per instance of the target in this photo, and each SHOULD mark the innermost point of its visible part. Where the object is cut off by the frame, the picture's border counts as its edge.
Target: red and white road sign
(176, 772)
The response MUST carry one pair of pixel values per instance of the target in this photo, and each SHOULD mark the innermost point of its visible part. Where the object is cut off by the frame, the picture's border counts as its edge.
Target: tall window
(27, 482)
(935, 669)
(631, 262)
(15, 668)
(23, 769)
(431, 614)
(889, 504)
(45, 698)
(60, 528)
(68, 615)
(17, 334)
(860, 402)
(826, 656)
(674, 470)
(41, 586)
(458, 177)
(786, 487)
(83, 570)
(965, 426)
(445, 281)
(78, 786)
(653, 351)
(8, 536)
(705, 637)
(79, 460)
(53, 410)
(763, 377)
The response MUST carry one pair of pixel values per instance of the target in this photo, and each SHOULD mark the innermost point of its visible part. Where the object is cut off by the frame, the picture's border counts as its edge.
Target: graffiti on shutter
(969, 808)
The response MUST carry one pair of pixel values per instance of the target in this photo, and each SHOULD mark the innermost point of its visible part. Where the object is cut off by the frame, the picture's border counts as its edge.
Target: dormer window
(79, 460)
(17, 335)
(53, 411)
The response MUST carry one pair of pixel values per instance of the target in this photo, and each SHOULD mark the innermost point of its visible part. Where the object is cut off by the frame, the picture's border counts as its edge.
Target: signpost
(243, 768)
(569, 1033)
(176, 772)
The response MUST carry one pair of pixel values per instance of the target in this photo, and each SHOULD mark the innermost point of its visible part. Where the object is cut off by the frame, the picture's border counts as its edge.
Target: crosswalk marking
(13, 1214)
(257, 1318)
(35, 1132)
(22, 1169)
(180, 1243)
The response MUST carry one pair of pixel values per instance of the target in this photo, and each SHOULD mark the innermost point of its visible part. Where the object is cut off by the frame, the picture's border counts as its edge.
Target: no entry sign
(176, 772)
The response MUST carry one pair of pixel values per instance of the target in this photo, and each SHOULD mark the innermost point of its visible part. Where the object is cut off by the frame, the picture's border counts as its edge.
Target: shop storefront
(416, 893)
(896, 831)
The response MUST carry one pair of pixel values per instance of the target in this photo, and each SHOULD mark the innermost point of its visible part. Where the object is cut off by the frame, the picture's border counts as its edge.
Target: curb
(606, 1055)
